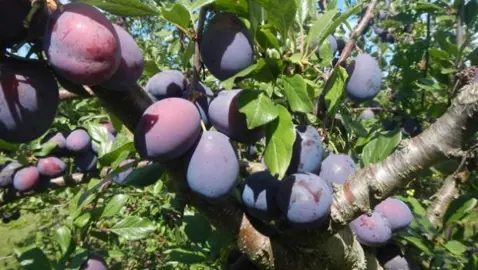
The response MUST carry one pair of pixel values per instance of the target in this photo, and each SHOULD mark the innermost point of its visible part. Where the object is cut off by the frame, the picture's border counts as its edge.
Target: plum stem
(36, 5)
(203, 126)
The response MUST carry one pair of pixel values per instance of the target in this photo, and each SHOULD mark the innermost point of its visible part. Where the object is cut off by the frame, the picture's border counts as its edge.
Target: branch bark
(442, 140)
(447, 193)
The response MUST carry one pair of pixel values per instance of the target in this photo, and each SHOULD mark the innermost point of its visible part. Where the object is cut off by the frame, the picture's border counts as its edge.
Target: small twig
(65, 94)
(427, 55)
(36, 5)
(197, 55)
(357, 32)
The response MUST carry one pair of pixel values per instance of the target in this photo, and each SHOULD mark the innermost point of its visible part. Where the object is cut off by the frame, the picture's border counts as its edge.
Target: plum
(59, 139)
(167, 129)
(166, 84)
(26, 178)
(28, 100)
(397, 212)
(364, 79)
(131, 65)
(367, 114)
(225, 117)
(94, 262)
(372, 231)
(202, 102)
(226, 46)
(305, 200)
(119, 179)
(411, 127)
(391, 257)
(81, 44)
(307, 151)
(333, 45)
(78, 141)
(337, 168)
(111, 129)
(259, 195)
(86, 162)
(51, 166)
(7, 172)
(213, 168)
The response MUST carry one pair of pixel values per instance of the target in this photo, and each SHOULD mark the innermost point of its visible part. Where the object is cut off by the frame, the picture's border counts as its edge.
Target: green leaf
(145, 176)
(33, 258)
(257, 107)
(320, 30)
(280, 13)
(11, 147)
(297, 95)
(335, 89)
(353, 126)
(45, 149)
(199, 4)
(130, 8)
(419, 243)
(459, 208)
(267, 39)
(77, 259)
(114, 205)
(280, 137)
(110, 157)
(229, 82)
(178, 15)
(82, 220)
(305, 8)
(380, 148)
(240, 7)
(63, 239)
(133, 228)
(455, 247)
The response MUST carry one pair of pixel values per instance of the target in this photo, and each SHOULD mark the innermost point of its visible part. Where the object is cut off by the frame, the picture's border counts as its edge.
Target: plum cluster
(76, 145)
(389, 216)
(82, 46)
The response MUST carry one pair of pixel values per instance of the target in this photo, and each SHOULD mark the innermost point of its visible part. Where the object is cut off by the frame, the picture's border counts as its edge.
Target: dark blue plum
(119, 179)
(340, 45)
(411, 127)
(337, 168)
(259, 195)
(167, 129)
(51, 166)
(365, 78)
(305, 200)
(226, 46)
(214, 167)
(131, 65)
(372, 231)
(166, 84)
(86, 162)
(391, 257)
(26, 179)
(28, 100)
(397, 212)
(7, 172)
(225, 117)
(307, 151)
(78, 141)
(203, 102)
(367, 114)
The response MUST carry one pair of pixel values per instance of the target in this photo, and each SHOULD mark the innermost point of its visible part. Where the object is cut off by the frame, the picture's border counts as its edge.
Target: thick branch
(447, 193)
(442, 140)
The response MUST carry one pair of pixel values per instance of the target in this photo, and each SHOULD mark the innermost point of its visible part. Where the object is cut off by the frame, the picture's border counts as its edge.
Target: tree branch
(197, 55)
(357, 32)
(442, 140)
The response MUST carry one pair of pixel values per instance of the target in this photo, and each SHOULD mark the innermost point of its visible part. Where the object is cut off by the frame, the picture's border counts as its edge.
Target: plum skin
(307, 151)
(86, 162)
(396, 212)
(51, 166)
(79, 141)
(213, 168)
(28, 101)
(259, 195)
(131, 65)
(372, 231)
(305, 200)
(94, 262)
(364, 79)
(81, 44)
(166, 84)
(7, 172)
(25, 179)
(225, 117)
(167, 129)
(226, 46)
(337, 168)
